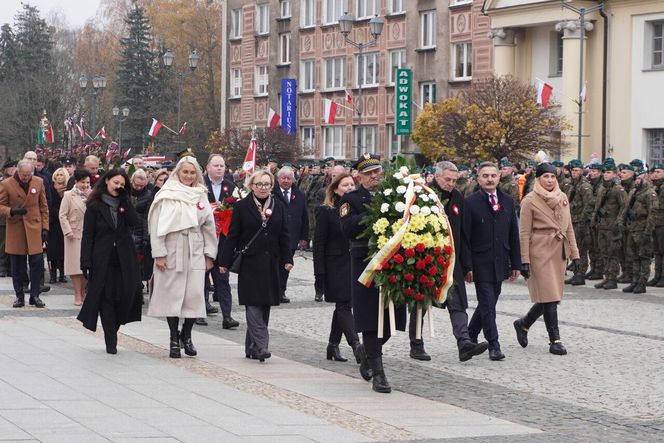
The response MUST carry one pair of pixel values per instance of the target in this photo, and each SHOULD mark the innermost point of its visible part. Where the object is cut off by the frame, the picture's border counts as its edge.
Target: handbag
(236, 263)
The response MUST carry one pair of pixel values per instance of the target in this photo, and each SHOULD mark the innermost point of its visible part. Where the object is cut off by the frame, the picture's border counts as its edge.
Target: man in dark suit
(492, 232)
(218, 189)
(298, 219)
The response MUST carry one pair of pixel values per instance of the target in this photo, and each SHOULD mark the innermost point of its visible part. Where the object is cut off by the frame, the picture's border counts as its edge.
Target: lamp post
(116, 114)
(168, 58)
(98, 85)
(346, 22)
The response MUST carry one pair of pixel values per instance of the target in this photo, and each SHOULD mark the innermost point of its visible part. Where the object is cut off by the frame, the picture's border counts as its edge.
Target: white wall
(541, 53)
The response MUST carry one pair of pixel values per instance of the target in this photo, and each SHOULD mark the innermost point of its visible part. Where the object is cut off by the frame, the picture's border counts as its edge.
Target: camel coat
(23, 235)
(547, 241)
(72, 213)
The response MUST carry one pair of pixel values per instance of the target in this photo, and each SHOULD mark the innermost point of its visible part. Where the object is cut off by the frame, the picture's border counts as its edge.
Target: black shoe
(63, 279)
(37, 303)
(468, 352)
(660, 283)
(174, 347)
(229, 322)
(600, 285)
(653, 281)
(19, 302)
(379, 381)
(260, 356)
(496, 355)
(419, 354)
(284, 299)
(588, 274)
(569, 280)
(201, 322)
(185, 342)
(318, 297)
(640, 288)
(333, 353)
(595, 276)
(629, 288)
(209, 309)
(53, 278)
(577, 280)
(521, 333)
(624, 279)
(361, 358)
(44, 288)
(111, 349)
(557, 348)
(610, 285)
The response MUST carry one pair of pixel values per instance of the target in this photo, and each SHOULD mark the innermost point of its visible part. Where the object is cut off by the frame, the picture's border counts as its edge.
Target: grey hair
(91, 158)
(285, 170)
(445, 166)
(23, 163)
(487, 165)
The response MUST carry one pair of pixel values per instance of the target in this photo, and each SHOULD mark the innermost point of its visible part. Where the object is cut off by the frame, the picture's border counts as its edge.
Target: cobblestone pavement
(610, 387)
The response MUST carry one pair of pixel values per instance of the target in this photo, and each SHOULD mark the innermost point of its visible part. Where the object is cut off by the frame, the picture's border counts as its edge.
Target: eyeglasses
(263, 185)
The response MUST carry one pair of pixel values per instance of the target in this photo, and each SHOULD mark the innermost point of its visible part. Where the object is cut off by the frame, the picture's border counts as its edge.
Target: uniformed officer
(365, 300)
(595, 171)
(564, 182)
(466, 184)
(581, 209)
(626, 174)
(607, 217)
(640, 224)
(637, 164)
(508, 183)
(657, 177)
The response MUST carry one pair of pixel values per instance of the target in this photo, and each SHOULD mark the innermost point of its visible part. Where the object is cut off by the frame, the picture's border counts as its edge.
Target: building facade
(273, 40)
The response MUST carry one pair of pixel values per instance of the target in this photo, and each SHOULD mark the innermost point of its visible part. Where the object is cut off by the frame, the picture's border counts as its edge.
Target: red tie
(492, 199)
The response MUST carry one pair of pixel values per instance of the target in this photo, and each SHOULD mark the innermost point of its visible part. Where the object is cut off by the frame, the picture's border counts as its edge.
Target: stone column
(504, 51)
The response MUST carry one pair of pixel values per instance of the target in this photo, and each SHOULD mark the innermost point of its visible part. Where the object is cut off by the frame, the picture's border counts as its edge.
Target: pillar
(504, 51)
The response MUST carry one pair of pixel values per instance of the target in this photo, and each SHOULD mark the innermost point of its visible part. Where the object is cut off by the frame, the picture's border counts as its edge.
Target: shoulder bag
(236, 264)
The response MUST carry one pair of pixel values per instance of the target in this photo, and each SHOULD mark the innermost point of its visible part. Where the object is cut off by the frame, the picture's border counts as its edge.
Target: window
(556, 55)
(307, 75)
(236, 83)
(396, 6)
(396, 141)
(463, 61)
(427, 93)
(332, 10)
(284, 8)
(655, 145)
(460, 2)
(427, 29)
(308, 13)
(397, 60)
(285, 48)
(365, 140)
(308, 140)
(333, 140)
(236, 23)
(658, 45)
(334, 73)
(261, 80)
(367, 69)
(366, 8)
(262, 19)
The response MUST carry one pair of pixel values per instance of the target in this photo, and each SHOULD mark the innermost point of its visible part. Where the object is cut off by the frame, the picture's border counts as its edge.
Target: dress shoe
(468, 352)
(201, 322)
(595, 276)
(284, 299)
(419, 354)
(187, 345)
(333, 353)
(318, 297)
(521, 333)
(629, 288)
(640, 288)
(557, 348)
(600, 285)
(624, 279)
(229, 322)
(496, 355)
(209, 309)
(610, 285)
(19, 302)
(37, 303)
(577, 280)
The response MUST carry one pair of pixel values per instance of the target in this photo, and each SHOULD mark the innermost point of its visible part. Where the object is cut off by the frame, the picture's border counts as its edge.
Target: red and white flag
(102, 133)
(583, 95)
(249, 164)
(126, 154)
(330, 111)
(154, 129)
(544, 91)
(49, 135)
(349, 97)
(273, 119)
(109, 154)
(183, 129)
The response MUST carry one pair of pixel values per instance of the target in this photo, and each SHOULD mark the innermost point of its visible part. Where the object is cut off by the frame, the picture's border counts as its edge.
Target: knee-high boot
(174, 345)
(185, 337)
(551, 321)
(379, 381)
(522, 325)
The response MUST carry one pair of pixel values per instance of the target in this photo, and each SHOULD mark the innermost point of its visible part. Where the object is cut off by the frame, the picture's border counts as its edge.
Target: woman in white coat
(184, 244)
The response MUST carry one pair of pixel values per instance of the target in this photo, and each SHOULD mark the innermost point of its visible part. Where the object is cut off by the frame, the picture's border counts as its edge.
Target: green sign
(404, 113)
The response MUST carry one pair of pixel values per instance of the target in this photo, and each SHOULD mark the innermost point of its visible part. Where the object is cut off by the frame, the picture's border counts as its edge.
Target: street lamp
(192, 61)
(346, 22)
(116, 114)
(98, 85)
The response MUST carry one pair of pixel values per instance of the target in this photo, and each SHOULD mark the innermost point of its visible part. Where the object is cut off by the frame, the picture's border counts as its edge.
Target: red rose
(410, 252)
(418, 297)
(437, 250)
(398, 259)
(423, 279)
(420, 265)
(392, 279)
(420, 247)
(386, 265)
(409, 277)
(433, 270)
(440, 260)
(448, 250)
(429, 284)
(428, 259)
(230, 200)
(408, 291)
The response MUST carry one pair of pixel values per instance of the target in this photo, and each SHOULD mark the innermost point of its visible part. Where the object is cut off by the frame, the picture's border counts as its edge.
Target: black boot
(61, 270)
(624, 278)
(600, 285)
(522, 325)
(185, 337)
(577, 280)
(361, 358)
(551, 320)
(111, 340)
(174, 345)
(380, 383)
(653, 281)
(19, 302)
(333, 352)
(640, 288)
(594, 276)
(629, 288)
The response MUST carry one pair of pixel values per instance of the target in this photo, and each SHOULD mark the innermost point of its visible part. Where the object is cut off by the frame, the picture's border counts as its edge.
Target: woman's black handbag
(236, 263)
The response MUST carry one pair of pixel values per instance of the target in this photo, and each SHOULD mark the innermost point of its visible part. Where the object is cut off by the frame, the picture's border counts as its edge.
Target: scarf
(25, 186)
(179, 205)
(263, 207)
(78, 193)
(113, 204)
(60, 188)
(553, 198)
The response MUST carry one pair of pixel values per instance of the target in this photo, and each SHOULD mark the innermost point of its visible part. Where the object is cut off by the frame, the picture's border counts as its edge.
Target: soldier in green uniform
(581, 209)
(595, 179)
(626, 174)
(508, 183)
(640, 223)
(657, 177)
(637, 164)
(466, 184)
(564, 182)
(607, 217)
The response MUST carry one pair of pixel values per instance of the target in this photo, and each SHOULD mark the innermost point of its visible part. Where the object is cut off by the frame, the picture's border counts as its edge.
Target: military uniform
(625, 259)
(658, 233)
(581, 209)
(640, 224)
(317, 182)
(594, 252)
(509, 186)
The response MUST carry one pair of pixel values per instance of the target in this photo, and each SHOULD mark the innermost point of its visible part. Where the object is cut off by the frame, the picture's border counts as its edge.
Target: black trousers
(110, 305)
(283, 278)
(342, 323)
(222, 291)
(484, 317)
(19, 271)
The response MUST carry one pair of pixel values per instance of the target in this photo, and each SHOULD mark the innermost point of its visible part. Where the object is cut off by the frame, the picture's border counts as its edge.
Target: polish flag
(154, 129)
(102, 133)
(183, 129)
(544, 91)
(330, 111)
(109, 154)
(273, 119)
(249, 164)
(583, 95)
(349, 97)
(126, 154)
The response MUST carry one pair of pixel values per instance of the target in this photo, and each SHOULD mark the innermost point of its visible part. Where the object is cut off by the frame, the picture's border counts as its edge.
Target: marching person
(184, 245)
(332, 267)
(365, 300)
(260, 225)
(547, 241)
(23, 203)
(108, 259)
(491, 231)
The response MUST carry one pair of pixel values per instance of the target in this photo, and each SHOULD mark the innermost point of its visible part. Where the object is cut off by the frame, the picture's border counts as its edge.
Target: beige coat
(547, 242)
(72, 213)
(24, 231)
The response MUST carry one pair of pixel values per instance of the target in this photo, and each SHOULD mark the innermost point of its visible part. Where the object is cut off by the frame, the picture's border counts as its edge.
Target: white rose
(425, 211)
(387, 192)
(420, 180)
(435, 209)
(404, 170)
(384, 207)
(417, 189)
(424, 198)
(407, 180)
(401, 189)
(414, 209)
(433, 197)
(400, 206)
(398, 175)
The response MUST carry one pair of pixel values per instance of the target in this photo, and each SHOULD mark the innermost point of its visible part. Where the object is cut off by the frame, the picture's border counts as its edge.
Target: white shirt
(216, 188)
(287, 191)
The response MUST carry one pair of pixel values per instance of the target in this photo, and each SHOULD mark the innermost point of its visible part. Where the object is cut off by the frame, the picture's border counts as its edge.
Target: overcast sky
(77, 12)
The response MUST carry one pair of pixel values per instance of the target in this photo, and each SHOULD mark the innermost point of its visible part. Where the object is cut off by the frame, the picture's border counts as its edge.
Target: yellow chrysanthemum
(396, 226)
(409, 240)
(417, 223)
(434, 222)
(380, 225)
(382, 241)
(439, 239)
(428, 240)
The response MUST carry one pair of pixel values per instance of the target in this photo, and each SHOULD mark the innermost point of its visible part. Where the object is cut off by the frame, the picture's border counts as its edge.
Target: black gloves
(86, 273)
(576, 265)
(18, 211)
(525, 270)
(44, 235)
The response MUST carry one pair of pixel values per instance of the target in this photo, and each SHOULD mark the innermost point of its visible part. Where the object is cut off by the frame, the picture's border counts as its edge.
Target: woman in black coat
(258, 278)
(108, 259)
(332, 266)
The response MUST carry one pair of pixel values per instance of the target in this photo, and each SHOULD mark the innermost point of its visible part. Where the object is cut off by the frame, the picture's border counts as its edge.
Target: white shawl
(177, 203)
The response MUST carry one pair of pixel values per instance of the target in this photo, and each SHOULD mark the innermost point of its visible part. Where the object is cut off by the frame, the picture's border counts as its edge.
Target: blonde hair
(64, 173)
(199, 174)
(158, 173)
(258, 174)
(138, 173)
(329, 192)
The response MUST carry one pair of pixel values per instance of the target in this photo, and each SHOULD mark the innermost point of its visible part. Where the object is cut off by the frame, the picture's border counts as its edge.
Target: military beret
(575, 164)
(287, 164)
(532, 163)
(639, 172)
(463, 168)
(623, 166)
(328, 159)
(657, 166)
(610, 166)
(558, 163)
(506, 164)
(609, 160)
(596, 166)
(637, 162)
(368, 162)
